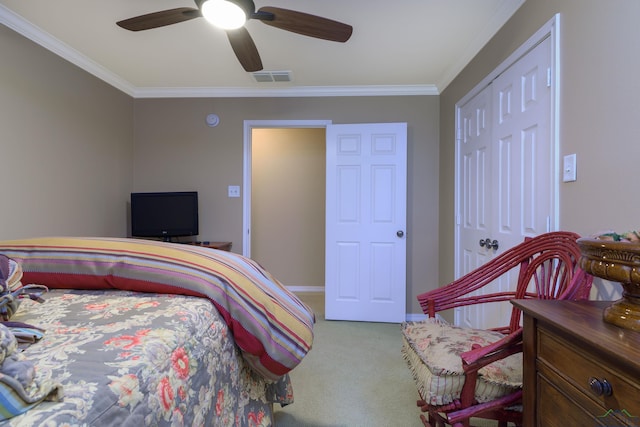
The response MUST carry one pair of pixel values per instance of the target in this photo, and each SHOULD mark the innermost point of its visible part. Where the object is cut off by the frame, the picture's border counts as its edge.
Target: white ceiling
(397, 47)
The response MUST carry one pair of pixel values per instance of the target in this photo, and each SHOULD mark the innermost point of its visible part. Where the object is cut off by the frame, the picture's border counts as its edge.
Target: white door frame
(552, 30)
(249, 125)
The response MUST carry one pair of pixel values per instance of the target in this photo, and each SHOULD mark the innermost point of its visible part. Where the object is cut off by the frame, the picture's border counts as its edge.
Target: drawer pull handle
(600, 387)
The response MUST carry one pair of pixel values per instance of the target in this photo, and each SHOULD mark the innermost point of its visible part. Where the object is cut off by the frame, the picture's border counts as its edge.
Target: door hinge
(548, 77)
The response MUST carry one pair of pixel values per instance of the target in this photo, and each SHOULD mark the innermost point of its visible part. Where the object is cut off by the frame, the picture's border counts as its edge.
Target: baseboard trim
(302, 289)
(411, 317)
(418, 317)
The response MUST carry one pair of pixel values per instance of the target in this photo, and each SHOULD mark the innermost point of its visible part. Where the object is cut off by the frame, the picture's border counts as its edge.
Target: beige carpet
(354, 376)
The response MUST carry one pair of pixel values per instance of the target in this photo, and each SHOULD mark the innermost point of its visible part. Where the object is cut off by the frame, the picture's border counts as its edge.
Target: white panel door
(510, 196)
(475, 192)
(366, 222)
(523, 170)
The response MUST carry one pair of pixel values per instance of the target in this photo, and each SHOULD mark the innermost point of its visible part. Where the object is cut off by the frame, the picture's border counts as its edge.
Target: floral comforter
(131, 359)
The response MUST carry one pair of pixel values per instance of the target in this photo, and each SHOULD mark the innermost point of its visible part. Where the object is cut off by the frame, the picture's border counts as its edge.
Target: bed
(135, 332)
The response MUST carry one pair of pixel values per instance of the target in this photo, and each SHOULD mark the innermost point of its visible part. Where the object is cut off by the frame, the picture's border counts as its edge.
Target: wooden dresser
(578, 370)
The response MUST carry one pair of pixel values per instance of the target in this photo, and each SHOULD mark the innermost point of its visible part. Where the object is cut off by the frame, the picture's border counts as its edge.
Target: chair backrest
(548, 269)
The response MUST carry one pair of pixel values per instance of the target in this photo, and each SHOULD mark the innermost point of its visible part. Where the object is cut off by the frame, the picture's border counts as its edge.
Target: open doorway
(369, 199)
(284, 200)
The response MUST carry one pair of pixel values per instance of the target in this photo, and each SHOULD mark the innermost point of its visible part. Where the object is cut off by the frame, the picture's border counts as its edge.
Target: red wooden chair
(470, 373)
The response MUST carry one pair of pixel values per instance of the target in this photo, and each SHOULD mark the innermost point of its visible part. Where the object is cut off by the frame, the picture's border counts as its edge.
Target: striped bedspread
(270, 325)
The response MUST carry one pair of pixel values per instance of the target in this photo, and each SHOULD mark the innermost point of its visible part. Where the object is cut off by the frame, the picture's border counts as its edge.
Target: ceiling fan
(231, 15)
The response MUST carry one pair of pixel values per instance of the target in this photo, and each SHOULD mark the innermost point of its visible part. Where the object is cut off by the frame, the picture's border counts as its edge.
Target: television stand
(223, 246)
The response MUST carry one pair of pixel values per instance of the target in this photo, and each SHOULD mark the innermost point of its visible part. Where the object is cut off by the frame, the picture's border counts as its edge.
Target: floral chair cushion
(432, 350)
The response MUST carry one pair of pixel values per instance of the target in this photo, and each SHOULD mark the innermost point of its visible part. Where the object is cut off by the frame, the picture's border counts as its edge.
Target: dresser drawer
(558, 407)
(565, 344)
(578, 366)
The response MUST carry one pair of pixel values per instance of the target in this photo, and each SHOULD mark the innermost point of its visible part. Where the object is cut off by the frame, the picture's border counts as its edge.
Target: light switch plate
(569, 167)
(234, 191)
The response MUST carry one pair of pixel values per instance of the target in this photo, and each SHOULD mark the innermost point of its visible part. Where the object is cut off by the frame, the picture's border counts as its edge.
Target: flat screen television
(164, 215)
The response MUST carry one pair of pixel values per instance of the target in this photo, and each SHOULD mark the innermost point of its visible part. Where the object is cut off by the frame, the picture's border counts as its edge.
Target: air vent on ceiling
(272, 76)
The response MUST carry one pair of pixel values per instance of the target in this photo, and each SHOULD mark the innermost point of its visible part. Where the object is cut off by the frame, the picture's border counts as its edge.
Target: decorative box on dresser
(578, 369)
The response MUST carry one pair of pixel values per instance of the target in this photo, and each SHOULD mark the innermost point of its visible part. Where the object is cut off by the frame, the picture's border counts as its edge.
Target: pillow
(271, 326)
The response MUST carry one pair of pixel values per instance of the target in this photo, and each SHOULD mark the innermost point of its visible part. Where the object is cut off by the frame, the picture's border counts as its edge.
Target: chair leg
(431, 421)
(428, 420)
(425, 421)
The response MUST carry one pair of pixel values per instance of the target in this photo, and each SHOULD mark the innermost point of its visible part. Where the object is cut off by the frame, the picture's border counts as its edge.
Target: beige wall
(68, 161)
(599, 110)
(175, 150)
(66, 140)
(288, 203)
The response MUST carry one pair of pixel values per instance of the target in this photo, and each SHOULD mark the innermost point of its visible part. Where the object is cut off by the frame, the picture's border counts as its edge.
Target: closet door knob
(489, 243)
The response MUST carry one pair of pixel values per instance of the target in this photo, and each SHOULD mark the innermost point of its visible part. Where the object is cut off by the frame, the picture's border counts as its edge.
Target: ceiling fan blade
(245, 49)
(159, 19)
(306, 24)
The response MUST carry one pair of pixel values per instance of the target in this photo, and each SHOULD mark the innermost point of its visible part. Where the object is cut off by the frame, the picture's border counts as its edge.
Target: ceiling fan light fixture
(224, 14)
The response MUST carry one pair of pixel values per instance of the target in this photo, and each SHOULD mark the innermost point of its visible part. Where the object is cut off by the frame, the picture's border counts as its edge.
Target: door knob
(399, 233)
(489, 244)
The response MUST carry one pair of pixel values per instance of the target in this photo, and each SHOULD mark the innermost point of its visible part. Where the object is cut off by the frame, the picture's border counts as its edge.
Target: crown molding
(44, 39)
(289, 92)
(491, 28)
(36, 34)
